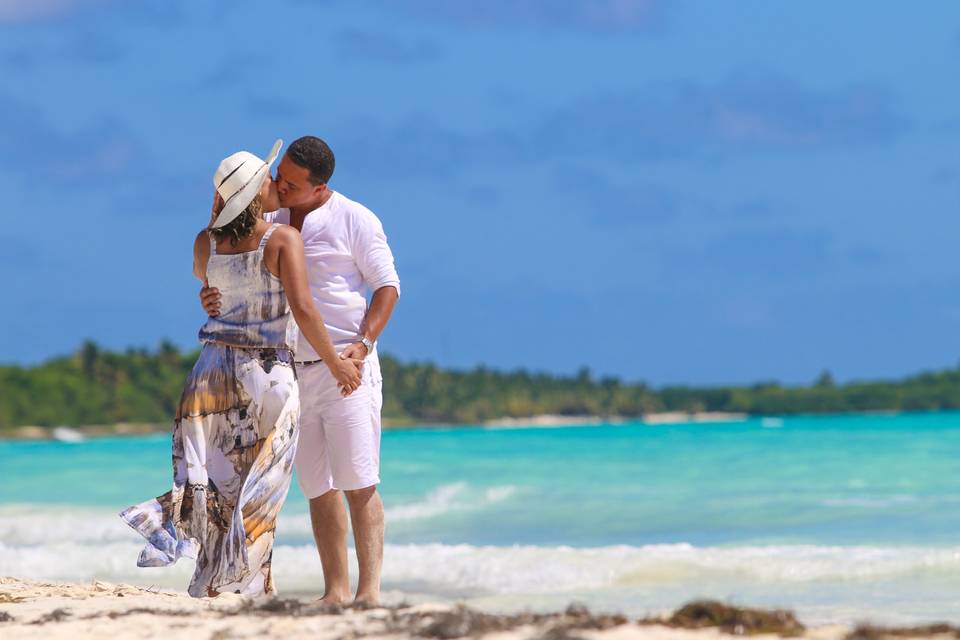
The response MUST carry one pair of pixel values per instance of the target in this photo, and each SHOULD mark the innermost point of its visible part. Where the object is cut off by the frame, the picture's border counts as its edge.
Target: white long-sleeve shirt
(347, 257)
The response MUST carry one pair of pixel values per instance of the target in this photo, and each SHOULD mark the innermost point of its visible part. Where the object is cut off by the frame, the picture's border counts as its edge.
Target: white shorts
(339, 445)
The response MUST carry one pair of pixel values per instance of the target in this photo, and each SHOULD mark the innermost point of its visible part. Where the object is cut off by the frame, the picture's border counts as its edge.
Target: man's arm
(378, 314)
(374, 259)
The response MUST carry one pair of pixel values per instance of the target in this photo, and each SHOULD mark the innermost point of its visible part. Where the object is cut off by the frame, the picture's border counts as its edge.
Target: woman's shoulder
(201, 253)
(202, 239)
(284, 235)
(285, 231)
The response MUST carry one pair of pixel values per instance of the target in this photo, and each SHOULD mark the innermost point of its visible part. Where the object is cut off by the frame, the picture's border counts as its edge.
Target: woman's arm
(209, 298)
(293, 275)
(201, 253)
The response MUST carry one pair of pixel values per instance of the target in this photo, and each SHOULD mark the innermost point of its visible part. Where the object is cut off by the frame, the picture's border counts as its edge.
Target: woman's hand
(210, 299)
(347, 372)
(268, 195)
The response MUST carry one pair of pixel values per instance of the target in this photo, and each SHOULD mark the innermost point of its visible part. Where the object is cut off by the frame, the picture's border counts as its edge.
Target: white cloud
(27, 10)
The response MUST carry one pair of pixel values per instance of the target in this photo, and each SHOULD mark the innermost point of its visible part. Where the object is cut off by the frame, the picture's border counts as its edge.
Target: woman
(237, 423)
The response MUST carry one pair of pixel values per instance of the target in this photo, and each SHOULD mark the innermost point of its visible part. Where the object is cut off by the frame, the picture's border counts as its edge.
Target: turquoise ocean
(840, 518)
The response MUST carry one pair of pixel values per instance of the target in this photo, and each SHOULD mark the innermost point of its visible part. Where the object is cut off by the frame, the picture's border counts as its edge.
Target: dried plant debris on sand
(291, 607)
(870, 632)
(74, 612)
(57, 615)
(731, 619)
(462, 621)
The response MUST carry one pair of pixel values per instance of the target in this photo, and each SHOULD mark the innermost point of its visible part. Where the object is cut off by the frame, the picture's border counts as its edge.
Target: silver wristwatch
(368, 344)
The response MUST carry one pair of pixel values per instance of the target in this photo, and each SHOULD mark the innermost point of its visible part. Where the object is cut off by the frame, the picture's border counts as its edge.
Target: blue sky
(681, 191)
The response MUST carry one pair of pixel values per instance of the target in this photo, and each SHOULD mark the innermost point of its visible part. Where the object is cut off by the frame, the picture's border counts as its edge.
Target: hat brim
(242, 198)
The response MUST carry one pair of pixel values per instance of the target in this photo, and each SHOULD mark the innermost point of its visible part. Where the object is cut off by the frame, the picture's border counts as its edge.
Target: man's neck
(302, 211)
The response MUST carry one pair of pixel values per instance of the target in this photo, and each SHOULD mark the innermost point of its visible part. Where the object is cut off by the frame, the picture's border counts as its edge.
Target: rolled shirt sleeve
(372, 253)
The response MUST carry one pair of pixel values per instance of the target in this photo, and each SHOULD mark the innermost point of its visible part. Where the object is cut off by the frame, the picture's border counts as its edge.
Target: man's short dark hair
(314, 154)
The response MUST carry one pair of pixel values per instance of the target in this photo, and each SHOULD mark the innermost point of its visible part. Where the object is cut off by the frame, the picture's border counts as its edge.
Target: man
(339, 448)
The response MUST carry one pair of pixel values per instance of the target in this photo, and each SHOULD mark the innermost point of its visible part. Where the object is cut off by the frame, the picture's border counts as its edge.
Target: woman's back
(253, 305)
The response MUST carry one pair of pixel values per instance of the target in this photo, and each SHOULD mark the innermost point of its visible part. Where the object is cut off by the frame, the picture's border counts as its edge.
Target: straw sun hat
(238, 180)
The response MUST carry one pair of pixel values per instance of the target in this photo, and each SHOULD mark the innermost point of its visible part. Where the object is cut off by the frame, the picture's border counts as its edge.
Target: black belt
(307, 363)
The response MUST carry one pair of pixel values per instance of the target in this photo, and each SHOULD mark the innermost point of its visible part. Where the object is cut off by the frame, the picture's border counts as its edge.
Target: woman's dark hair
(241, 226)
(310, 152)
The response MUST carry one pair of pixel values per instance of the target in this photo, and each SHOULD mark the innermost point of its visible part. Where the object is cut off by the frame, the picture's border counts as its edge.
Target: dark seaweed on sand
(870, 632)
(731, 619)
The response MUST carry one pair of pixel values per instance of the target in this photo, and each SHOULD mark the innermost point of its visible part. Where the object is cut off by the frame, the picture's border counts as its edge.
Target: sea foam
(824, 583)
(74, 543)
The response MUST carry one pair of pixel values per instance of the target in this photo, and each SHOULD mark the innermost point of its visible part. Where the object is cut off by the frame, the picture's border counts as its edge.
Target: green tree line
(96, 387)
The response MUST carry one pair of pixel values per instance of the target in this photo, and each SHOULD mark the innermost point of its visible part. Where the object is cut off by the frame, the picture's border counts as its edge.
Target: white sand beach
(54, 610)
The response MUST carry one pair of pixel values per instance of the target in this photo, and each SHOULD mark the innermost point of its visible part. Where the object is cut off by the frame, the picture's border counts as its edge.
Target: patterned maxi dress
(234, 437)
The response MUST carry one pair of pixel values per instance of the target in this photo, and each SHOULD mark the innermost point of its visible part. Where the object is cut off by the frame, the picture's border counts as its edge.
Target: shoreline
(68, 433)
(72, 611)
(78, 433)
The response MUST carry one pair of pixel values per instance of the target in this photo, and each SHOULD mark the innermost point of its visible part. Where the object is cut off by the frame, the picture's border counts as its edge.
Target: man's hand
(357, 350)
(347, 373)
(210, 299)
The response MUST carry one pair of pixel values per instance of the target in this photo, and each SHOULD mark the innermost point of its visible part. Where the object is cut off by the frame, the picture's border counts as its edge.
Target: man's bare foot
(334, 599)
(363, 601)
